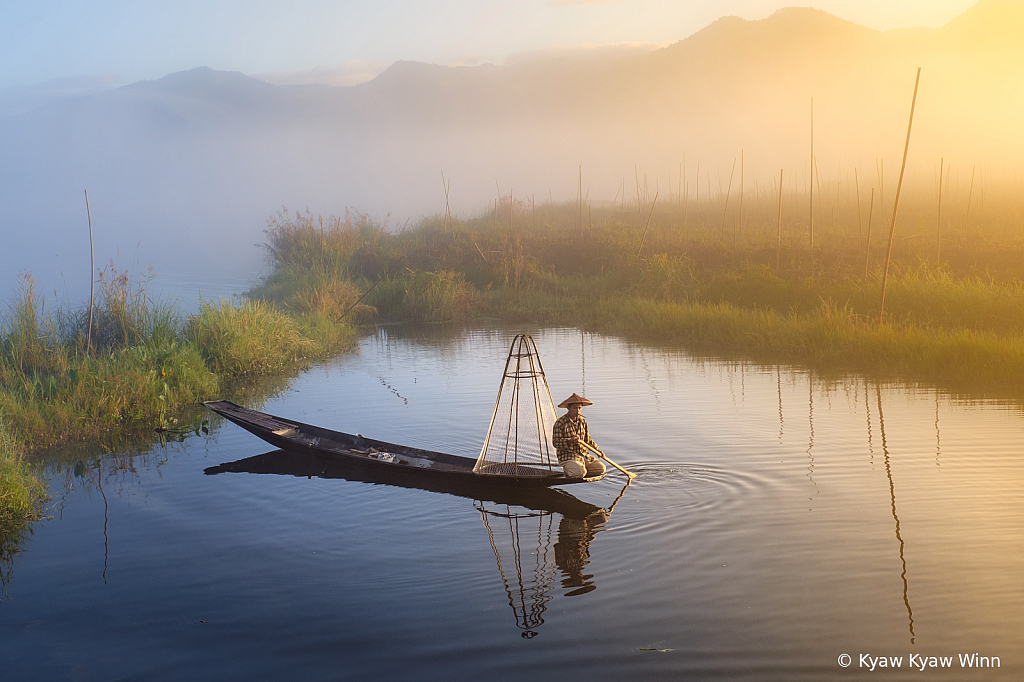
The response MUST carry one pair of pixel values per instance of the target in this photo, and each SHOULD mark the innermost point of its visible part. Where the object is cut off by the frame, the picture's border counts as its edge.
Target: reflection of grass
(22, 496)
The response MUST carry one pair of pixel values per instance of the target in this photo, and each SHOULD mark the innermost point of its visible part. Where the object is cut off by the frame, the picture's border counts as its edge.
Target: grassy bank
(673, 273)
(135, 367)
(684, 279)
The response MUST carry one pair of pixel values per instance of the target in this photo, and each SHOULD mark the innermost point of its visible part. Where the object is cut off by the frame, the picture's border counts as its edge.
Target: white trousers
(574, 469)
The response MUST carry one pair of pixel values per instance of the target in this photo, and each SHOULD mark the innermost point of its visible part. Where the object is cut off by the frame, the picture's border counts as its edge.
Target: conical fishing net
(518, 441)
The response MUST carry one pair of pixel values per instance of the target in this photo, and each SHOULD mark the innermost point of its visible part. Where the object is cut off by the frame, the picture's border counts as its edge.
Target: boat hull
(371, 454)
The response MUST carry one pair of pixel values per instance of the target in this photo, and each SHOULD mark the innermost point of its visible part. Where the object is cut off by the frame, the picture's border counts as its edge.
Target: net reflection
(530, 550)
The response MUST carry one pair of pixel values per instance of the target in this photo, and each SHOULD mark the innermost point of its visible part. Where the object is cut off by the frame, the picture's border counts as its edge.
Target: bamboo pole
(644, 237)
(636, 177)
(726, 209)
(811, 179)
(605, 458)
(323, 260)
(867, 246)
(581, 202)
(778, 232)
(686, 191)
(696, 190)
(856, 180)
(938, 220)
(445, 184)
(969, 194)
(739, 229)
(896, 202)
(92, 272)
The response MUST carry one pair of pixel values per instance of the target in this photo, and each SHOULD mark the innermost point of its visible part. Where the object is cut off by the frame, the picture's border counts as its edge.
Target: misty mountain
(184, 170)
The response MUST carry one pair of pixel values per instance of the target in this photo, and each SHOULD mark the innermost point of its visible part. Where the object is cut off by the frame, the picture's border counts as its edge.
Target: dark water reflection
(519, 523)
(778, 520)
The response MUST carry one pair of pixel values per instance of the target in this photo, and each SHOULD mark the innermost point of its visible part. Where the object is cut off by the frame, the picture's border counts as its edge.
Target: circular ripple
(673, 493)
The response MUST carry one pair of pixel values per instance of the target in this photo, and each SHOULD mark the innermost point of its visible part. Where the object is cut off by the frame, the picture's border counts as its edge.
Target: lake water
(778, 521)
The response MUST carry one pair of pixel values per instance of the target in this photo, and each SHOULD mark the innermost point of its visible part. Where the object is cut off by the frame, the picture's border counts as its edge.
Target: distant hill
(194, 162)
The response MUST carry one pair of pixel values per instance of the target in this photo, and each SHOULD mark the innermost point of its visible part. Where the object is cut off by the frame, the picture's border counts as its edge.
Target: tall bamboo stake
(581, 202)
(817, 181)
(696, 190)
(969, 194)
(447, 211)
(867, 245)
(778, 232)
(726, 209)
(686, 191)
(896, 202)
(811, 209)
(860, 226)
(644, 237)
(636, 176)
(92, 272)
(323, 260)
(938, 220)
(740, 227)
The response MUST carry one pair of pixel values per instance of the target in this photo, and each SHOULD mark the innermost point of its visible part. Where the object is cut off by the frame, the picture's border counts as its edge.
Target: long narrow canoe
(368, 453)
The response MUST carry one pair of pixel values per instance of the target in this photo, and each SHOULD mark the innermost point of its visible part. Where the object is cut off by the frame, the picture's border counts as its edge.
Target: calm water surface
(777, 522)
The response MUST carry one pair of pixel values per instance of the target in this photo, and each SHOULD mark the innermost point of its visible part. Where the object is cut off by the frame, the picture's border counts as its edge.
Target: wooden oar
(605, 458)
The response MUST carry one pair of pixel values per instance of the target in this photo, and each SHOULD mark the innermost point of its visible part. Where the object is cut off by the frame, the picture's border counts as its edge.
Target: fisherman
(569, 435)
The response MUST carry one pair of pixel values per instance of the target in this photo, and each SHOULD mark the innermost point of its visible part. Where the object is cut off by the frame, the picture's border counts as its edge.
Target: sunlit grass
(56, 389)
(699, 280)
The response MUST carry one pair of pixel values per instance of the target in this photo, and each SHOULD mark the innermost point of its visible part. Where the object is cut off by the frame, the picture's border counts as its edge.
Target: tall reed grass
(147, 359)
(751, 289)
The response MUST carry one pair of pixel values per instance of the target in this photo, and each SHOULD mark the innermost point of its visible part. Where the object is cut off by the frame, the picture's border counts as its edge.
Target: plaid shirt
(566, 435)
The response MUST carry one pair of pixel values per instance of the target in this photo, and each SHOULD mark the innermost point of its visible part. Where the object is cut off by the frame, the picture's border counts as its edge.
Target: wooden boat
(368, 453)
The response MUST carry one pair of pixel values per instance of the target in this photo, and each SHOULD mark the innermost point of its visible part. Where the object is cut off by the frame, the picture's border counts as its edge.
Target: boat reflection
(534, 533)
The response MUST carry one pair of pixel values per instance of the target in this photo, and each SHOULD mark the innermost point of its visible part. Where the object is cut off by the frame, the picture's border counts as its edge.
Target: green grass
(143, 364)
(693, 283)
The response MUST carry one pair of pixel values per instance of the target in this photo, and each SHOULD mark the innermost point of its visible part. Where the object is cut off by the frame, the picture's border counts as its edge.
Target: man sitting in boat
(569, 435)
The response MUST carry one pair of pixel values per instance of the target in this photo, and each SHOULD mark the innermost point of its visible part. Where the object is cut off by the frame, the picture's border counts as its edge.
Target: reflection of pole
(106, 516)
(892, 497)
(810, 442)
(619, 497)
(778, 379)
(867, 409)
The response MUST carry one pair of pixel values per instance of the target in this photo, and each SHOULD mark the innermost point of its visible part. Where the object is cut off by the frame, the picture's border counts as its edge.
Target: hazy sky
(128, 40)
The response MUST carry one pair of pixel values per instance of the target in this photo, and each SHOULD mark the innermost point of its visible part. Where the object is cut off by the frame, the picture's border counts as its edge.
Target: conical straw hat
(575, 398)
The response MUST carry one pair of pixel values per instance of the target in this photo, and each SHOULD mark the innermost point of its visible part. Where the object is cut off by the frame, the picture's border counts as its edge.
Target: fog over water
(184, 171)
